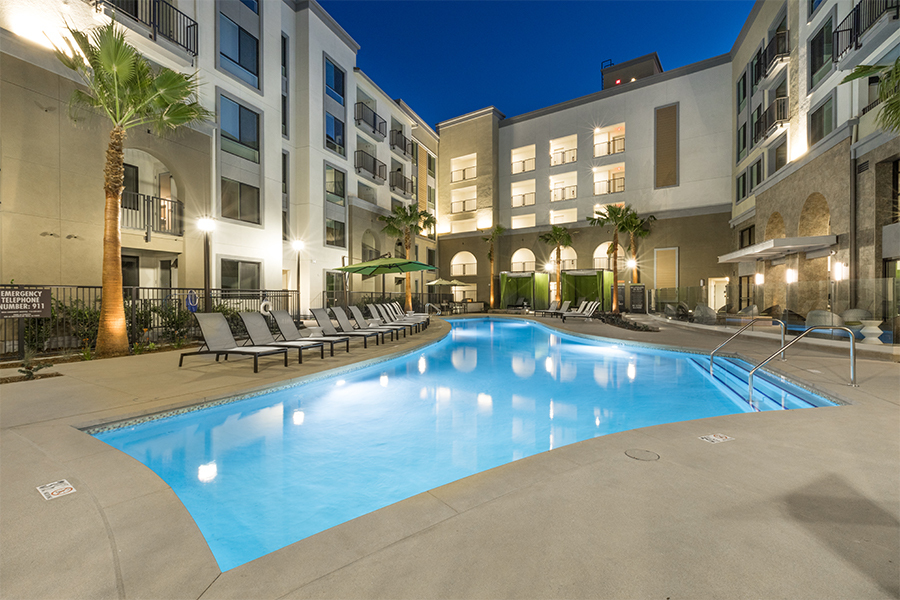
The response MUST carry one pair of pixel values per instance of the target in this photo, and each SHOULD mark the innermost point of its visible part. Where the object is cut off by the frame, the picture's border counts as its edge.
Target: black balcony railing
(613, 146)
(400, 183)
(367, 116)
(401, 142)
(162, 18)
(462, 174)
(779, 47)
(861, 18)
(364, 161)
(151, 214)
(775, 115)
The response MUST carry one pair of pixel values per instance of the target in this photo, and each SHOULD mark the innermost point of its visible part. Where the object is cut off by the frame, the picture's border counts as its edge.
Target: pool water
(261, 473)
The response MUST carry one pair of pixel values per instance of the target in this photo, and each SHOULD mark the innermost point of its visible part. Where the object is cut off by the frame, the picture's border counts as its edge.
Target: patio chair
(587, 313)
(398, 310)
(290, 333)
(258, 330)
(550, 309)
(394, 316)
(518, 304)
(562, 309)
(385, 318)
(364, 324)
(346, 326)
(218, 340)
(328, 329)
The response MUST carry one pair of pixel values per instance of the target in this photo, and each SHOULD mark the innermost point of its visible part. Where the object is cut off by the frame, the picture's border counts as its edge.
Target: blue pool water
(261, 473)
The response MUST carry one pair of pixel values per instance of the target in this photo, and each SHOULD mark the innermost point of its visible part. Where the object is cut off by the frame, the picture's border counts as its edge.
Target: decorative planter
(871, 331)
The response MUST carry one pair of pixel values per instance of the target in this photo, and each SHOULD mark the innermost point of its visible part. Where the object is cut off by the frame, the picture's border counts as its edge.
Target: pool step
(769, 392)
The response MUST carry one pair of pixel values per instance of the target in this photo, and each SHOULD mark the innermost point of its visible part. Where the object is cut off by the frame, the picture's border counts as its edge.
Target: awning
(777, 248)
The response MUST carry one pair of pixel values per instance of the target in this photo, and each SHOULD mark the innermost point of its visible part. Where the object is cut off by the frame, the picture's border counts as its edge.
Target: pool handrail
(797, 339)
(437, 310)
(741, 330)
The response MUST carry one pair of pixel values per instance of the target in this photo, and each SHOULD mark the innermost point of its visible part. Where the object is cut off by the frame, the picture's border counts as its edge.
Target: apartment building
(655, 140)
(285, 184)
(814, 213)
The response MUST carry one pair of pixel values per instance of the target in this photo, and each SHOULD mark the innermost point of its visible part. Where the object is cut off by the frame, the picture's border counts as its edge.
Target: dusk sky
(446, 57)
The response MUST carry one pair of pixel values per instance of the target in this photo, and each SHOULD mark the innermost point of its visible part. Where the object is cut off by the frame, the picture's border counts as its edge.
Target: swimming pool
(264, 472)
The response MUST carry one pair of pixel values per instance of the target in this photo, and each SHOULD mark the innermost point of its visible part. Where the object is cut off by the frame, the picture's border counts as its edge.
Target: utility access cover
(715, 438)
(56, 489)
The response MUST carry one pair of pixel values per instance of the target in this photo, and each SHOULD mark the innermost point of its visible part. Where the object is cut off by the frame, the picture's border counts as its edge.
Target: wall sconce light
(790, 276)
(838, 271)
(760, 279)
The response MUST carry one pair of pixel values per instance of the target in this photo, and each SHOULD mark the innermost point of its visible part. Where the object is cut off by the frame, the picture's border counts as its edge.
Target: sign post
(637, 298)
(21, 304)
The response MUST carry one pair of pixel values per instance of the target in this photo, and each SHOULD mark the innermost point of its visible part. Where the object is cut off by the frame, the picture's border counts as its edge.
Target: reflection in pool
(262, 473)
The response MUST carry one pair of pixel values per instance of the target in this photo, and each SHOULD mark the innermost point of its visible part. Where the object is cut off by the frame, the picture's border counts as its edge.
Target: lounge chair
(386, 318)
(258, 330)
(346, 326)
(328, 329)
(364, 324)
(290, 333)
(518, 304)
(391, 317)
(412, 316)
(587, 313)
(562, 309)
(218, 340)
(550, 309)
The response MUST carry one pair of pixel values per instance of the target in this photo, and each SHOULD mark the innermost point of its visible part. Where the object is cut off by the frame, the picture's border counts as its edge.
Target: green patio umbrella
(380, 266)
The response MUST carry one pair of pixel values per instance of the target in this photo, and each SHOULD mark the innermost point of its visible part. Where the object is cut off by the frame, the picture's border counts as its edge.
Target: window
(813, 5)
(431, 257)
(742, 142)
(334, 82)
(334, 233)
(431, 196)
(754, 119)
(334, 185)
(240, 130)
(239, 49)
(130, 198)
(779, 156)
(284, 86)
(756, 174)
(240, 201)
(745, 296)
(742, 92)
(821, 122)
(741, 187)
(334, 133)
(252, 5)
(820, 54)
(334, 288)
(432, 165)
(747, 236)
(754, 73)
(285, 202)
(239, 275)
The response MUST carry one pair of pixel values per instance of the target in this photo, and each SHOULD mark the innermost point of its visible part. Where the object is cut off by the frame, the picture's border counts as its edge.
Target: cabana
(587, 284)
(534, 287)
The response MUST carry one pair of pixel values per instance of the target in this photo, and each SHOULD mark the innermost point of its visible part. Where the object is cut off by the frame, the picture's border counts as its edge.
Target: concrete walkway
(801, 504)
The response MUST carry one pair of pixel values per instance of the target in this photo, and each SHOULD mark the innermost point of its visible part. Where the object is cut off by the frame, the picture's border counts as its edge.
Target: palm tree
(559, 237)
(636, 227)
(491, 239)
(617, 217)
(120, 83)
(888, 91)
(406, 222)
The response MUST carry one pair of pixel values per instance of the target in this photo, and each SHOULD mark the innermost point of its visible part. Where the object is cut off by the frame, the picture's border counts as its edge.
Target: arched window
(522, 260)
(370, 249)
(602, 260)
(463, 263)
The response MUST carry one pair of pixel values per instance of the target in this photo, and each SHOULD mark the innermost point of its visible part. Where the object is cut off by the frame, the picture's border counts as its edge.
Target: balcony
(400, 143)
(401, 184)
(570, 192)
(562, 157)
(865, 18)
(775, 115)
(368, 165)
(613, 146)
(609, 186)
(460, 206)
(151, 214)
(523, 267)
(775, 56)
(462, 174)
(163, 19)
(523, 200)
(522, 166)
(368, 120)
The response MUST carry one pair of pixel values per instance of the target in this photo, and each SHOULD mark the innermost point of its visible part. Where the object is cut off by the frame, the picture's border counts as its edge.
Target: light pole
(298, 246)
(206, 225)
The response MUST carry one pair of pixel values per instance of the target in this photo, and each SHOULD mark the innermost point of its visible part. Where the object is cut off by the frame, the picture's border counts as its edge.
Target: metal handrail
(437, 310)
(797, 339)
(741, 330)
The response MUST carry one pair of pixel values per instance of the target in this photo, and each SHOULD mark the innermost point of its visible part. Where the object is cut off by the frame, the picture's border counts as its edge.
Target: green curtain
(541, 291)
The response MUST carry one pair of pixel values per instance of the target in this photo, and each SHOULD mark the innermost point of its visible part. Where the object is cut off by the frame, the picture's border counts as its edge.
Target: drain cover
(642, 455)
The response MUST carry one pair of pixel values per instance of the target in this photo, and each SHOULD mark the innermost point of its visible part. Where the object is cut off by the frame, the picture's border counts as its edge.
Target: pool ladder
(437, 310)
(785, 347)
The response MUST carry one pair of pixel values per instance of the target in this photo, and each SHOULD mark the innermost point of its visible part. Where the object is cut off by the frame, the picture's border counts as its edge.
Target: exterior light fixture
(206, 225)
(548, 266)
(631, 263)
(760, 279)
(618, 81)
(838, 271)
(790, 276)
(298, 245)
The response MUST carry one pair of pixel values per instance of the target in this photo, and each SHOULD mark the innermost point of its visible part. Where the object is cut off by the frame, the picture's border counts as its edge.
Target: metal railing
(420, 300)
(613, 146)
(523, 267)
(151, 214)
(775, 115)
(609, 186)
(564, 193)
(521, 166)
(401, 183)
(363, 161)
(466, 205)
(401, 142)
(464, 269)
(744, 328)
(364, 114)
(779, 47)
(462, 174)
(865, 14)
(870, 106)
(794, 341)
(561, 157)
(523, 199)
(162, 18)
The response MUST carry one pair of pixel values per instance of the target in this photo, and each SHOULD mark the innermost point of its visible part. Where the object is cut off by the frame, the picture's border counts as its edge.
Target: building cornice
(316, 8)
(748, 23)
(490, 110)
(420, 122)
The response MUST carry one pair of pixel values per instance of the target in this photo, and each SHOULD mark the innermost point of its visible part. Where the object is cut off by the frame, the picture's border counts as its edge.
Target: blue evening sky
(446, 57)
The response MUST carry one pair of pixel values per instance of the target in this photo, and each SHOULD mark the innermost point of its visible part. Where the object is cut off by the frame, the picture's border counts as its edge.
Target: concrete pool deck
(800, 504)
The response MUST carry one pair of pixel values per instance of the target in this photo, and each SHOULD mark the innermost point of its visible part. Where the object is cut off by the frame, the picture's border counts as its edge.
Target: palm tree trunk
(408, 244)
(112, 335)
(634, 271)
(558, 268)
(492, 274)
(615, 269)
